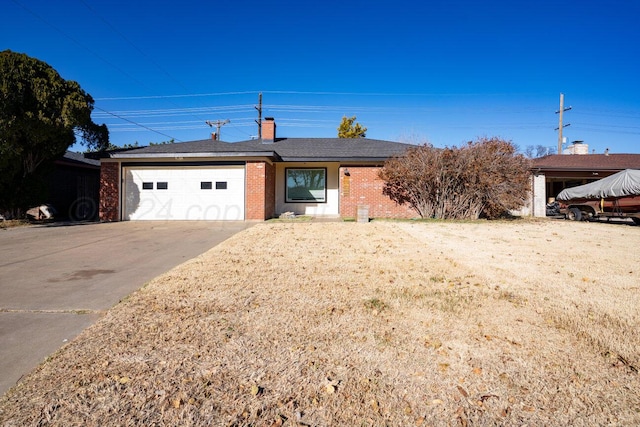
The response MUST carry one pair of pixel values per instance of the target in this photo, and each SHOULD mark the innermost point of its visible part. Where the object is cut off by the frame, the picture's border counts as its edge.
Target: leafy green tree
(113, 147)
(129, 146)
(171, 141)
(41, 114)
(348, 129)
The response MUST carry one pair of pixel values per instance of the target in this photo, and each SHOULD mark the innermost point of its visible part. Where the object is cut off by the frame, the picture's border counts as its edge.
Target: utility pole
(218, 124)
(560, 125)
(259, 121)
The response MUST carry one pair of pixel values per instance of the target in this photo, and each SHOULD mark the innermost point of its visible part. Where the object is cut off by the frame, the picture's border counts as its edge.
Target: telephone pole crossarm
(218, 125)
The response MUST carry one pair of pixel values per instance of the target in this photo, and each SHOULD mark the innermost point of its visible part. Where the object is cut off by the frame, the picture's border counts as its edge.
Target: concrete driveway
(56, 280)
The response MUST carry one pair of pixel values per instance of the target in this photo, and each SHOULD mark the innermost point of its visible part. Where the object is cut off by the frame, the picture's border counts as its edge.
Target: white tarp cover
(621, 184)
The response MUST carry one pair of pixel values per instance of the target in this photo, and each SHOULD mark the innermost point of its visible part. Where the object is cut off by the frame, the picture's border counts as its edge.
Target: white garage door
(185, 193)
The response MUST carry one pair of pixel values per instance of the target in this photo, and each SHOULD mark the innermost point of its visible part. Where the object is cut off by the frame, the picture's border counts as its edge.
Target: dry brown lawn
(344, 324)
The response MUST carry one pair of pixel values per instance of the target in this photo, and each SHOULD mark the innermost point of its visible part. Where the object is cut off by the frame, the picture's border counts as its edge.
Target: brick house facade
(361, 186)
(260, 190)
(185, 180)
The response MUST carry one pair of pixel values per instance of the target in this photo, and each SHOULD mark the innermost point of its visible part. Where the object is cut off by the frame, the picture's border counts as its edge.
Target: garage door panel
(207, 193)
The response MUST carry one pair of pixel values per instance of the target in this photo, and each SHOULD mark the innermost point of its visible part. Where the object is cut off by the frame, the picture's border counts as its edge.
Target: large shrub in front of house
(483, 178)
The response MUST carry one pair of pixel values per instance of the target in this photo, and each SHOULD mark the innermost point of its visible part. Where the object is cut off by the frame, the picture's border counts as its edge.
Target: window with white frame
(306, 185)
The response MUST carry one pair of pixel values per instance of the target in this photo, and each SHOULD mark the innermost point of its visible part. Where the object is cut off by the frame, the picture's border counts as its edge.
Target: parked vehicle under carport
(616, 196)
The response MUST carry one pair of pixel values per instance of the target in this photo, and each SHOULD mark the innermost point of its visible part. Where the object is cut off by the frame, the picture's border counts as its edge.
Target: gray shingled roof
(71, 157)
(282, 149)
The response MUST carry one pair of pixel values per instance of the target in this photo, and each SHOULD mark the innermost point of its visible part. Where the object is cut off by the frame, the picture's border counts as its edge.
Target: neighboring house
(248, 180)
(552, 174)
(74, 186)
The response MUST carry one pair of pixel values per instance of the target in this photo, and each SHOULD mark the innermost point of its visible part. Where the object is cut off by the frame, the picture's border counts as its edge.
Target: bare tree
(482, 178)
(535, 151)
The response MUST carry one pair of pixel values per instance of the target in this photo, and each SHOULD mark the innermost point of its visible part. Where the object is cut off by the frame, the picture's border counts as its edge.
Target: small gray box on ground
(363, 213)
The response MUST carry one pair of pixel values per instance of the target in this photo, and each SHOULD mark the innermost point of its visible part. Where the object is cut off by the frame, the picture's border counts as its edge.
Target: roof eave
(270, 154)
(576, 169)
(65, 161)
(334, 159)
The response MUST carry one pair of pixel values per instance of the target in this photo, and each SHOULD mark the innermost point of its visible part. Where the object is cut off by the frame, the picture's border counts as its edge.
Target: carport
(552, 174)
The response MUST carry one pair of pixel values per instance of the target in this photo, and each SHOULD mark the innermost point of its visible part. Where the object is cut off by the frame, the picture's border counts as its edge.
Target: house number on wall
(346, 186)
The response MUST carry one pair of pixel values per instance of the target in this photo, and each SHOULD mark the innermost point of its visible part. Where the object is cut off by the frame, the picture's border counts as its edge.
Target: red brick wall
(260, 191)
(363, 187)
(270, 193)
(109, 200)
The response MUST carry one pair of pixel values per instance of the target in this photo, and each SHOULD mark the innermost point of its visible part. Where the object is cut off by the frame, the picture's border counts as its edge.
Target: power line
(80, 44)
(609, 113)
(607, 125)
(123, 72)
(144, 54)
(319, 108)
(192, 95)
(301, 110)
(123, 37)
(137, 124)
(182, 122)
(609, 131)
(294, 92)
(182, 111)
(410, 94)
(99, 57)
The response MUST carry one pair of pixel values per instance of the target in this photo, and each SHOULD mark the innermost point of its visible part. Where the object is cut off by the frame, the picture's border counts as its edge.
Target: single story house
(248, 180)
(552, 174)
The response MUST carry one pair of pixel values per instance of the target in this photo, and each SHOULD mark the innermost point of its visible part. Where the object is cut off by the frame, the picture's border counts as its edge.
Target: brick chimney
(214, 136)
(268, 130)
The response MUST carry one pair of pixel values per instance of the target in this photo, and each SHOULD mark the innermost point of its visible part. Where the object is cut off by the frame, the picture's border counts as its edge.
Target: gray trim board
(182, 164)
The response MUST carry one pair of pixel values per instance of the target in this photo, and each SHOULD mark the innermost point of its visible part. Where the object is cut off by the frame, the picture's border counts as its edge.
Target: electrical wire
(109, 63)
(138, 82)
(148, 57)
(137, 124)
(301, 110)
(134, 46)
(192, 95)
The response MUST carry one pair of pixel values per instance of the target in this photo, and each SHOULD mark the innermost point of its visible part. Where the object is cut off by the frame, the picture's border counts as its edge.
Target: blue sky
(443, 72)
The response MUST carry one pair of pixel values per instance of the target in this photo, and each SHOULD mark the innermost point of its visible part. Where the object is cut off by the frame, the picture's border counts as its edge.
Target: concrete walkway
(57, 279)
